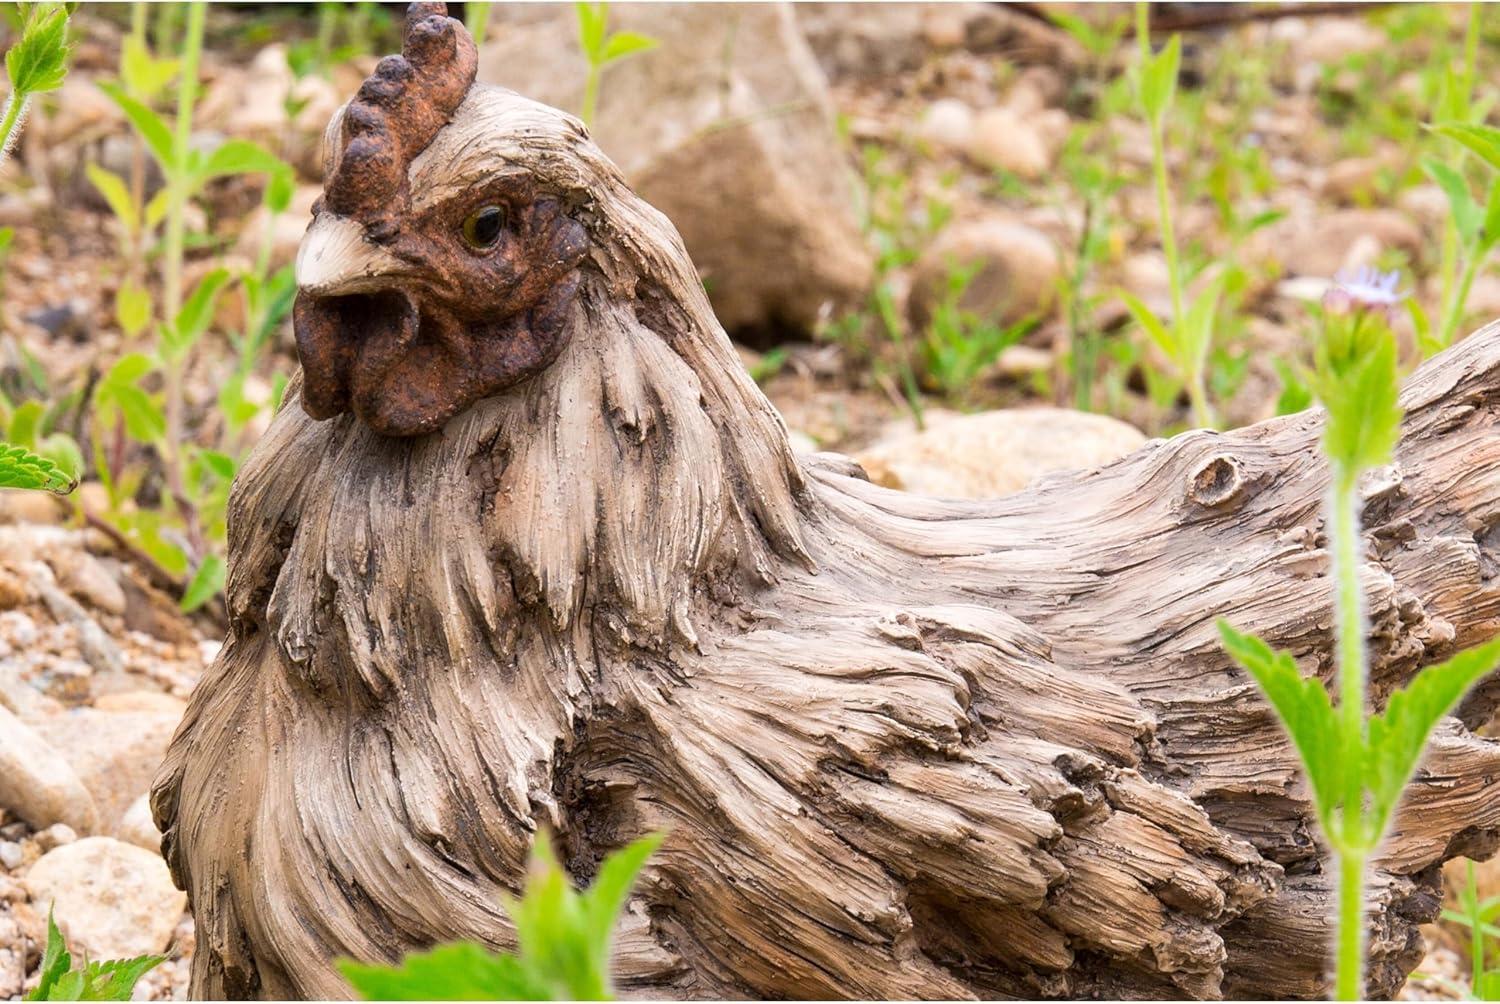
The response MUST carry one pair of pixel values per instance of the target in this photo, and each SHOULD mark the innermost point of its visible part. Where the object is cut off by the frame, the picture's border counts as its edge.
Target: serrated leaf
(1466, 213)
(1305, 710)
(38, 62)
(1481, 139)
(206, 583)
(462, 971)
(112, 187)
(115, 979)
(21, 468)
(55, 961)
(152, 129)
(625, 43)
(1398, 736)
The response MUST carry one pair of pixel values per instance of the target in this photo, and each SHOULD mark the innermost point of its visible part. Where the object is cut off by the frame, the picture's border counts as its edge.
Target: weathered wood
(905, 747)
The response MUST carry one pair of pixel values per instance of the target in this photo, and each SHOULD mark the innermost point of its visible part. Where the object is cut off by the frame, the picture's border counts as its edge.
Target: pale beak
(335, 259)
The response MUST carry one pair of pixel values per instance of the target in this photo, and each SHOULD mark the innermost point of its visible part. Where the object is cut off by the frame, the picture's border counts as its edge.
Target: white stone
(37, 783)
(138, 827)
(113, 900)
(998, 452)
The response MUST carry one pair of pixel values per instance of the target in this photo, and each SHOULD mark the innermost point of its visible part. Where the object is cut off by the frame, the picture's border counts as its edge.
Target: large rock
(37, 783)
(726, 127)
(112, 900)
(1017, 269)
(997, 452)
(114, 753)
(1323, 243)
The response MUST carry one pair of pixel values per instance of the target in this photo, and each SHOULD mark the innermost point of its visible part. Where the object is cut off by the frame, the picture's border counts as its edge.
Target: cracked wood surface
(904, 747)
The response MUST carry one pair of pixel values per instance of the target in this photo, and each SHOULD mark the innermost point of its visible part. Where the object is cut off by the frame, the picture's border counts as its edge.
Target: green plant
(1187, 339)
(37, 63)
(1357, 765)
(95, 981)
(1479, 916)
(184, 533)
(602, 47)
(959, 345)
(563, 939)
(1476, 228)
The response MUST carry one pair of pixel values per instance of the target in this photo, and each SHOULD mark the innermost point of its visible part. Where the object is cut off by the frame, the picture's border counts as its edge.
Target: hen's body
(904, 748)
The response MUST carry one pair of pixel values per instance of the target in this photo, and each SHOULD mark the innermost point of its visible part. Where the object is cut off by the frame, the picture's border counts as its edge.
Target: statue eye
(483, 226)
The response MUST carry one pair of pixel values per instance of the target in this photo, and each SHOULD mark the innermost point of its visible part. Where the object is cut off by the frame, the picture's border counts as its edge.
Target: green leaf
(1490, 232)
(1197, 328)
(607, 896)
(1356, 383)
(1466, 213)
(55, 961)
(152, 128)
(1305, 711)
(38, 62)
(1159, 80)
(196, 313)
(1147, 319)
(1481, 139)
(591, 21)
(115, 980)
(144, 75)
(112, 187)
(1398, 736)
(625, 43)
(207, 581)
(132, 309)
(240, 156)
(20, 468)
(280, 187)
(462, 971)
(25, 423)
(119, 390)
(563, 939)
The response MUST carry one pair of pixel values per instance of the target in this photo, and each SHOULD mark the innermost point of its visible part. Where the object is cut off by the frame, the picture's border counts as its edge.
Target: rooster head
(427, 279)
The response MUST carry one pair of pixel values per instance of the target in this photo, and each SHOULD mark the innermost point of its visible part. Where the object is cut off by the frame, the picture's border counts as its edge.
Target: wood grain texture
(904, 747)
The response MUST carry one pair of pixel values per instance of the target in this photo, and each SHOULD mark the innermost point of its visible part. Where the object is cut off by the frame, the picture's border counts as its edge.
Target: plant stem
(15, 107)
(1351, 840)
(477, 20)
(1454, 305)
(1350, 982)
(172, 258)
(590, 93)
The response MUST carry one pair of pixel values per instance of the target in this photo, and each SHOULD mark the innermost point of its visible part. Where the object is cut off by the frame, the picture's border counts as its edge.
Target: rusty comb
(398, 110)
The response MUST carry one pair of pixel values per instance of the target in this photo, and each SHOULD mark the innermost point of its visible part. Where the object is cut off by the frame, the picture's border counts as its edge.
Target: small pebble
(10, 855)
(55, 835)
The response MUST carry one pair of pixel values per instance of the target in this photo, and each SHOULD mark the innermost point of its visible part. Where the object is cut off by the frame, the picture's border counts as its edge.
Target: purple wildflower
(1363, 289)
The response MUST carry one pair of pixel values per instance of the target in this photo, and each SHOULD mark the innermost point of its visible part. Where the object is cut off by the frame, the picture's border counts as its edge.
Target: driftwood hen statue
(533, 552)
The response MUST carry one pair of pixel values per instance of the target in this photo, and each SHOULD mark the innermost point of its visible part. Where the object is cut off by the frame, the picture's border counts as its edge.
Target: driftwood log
(904, 747)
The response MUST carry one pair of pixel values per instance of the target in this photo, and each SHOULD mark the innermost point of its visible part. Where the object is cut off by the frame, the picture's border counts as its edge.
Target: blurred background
(967, 243)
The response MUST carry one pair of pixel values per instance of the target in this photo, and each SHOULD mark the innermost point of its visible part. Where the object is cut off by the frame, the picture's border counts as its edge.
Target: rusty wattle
(401, 317)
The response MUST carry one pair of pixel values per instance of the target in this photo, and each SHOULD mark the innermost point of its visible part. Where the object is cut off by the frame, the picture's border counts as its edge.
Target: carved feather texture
(904, 747)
